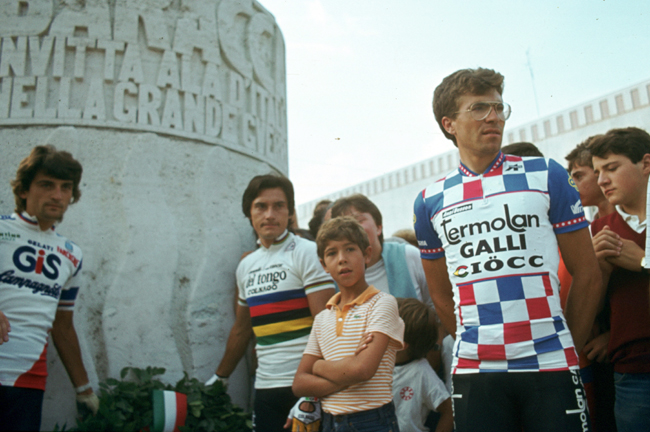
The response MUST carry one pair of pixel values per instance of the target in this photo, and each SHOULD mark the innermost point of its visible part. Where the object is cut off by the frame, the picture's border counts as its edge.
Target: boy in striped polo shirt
(340, 365)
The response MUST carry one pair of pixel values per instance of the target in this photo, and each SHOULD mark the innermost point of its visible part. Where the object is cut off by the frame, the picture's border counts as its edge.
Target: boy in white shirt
(417, 390)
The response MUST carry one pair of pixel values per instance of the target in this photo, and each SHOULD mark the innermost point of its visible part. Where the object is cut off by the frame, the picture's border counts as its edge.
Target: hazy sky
(360, 74)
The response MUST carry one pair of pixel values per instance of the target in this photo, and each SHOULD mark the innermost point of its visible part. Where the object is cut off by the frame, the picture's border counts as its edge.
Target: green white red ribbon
(169, 410)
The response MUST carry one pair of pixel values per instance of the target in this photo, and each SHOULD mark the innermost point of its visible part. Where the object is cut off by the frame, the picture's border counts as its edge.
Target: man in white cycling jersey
(281, 287)
(489, 234)
(38, 285)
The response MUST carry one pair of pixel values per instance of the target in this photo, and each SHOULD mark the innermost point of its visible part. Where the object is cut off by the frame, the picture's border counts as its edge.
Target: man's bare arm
(318, 300)
(240, 334)
(586, 290)
(596, 349)
(5, 328)
(66, 342)
(441, 292)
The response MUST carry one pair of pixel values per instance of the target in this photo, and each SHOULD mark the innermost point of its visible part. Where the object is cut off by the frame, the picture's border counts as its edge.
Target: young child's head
(420, 327)
(524, 149)
(344, 250)
(365, 212)
(341, 228)
(621, 159)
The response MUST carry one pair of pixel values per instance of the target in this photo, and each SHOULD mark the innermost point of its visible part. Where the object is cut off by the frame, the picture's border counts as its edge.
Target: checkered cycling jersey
(497, 232)
(38, 276)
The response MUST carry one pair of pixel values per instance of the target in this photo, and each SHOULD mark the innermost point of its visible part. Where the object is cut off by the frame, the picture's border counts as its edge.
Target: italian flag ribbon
(169, 410)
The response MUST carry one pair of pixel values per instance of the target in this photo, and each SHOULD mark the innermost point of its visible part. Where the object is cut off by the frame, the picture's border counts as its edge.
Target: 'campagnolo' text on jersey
(38, 275)
(274, 283)
(497, 232)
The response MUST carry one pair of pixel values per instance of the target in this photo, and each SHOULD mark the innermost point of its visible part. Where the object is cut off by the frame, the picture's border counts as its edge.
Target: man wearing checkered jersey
(489, 234)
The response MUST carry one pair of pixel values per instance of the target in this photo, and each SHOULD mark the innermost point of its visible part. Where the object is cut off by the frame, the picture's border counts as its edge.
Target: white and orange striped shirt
(336, 333)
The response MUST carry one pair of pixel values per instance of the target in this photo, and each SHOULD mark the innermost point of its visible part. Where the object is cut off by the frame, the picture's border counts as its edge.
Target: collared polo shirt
(632, 220)
(336, 333)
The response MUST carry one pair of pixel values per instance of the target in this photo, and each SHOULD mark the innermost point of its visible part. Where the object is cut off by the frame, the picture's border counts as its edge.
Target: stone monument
(171, 106)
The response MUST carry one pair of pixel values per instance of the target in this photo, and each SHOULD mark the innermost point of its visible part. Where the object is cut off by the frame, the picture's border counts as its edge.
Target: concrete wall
(555, 135)
(171, 106)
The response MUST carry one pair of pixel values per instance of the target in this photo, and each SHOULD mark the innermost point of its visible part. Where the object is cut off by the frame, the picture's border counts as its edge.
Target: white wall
(170, 121)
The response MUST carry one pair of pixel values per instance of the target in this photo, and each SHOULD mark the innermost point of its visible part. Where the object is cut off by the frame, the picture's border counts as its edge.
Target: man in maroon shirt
(621, 160)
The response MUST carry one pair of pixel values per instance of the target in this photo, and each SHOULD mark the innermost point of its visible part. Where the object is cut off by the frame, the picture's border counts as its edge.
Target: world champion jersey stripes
(274, 284)
(497, 232)
(38, 276)
(336, 334)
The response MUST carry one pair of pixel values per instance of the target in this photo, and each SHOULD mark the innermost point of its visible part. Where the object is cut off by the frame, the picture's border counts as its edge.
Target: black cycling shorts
(20, 408)
(520, 401)
(271, 408)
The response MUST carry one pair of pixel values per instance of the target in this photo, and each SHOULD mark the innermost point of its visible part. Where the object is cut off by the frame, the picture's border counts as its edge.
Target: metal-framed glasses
(480, 110)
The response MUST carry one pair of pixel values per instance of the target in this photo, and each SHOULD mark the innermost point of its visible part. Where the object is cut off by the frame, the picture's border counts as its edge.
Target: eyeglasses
(480, 110)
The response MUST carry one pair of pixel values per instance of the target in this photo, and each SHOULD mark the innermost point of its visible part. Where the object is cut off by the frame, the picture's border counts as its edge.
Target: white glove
(89, 402)
(307, 418)
(216, 378)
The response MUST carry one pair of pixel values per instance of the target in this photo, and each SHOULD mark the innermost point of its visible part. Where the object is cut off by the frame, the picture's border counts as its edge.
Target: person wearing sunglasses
(489, 234)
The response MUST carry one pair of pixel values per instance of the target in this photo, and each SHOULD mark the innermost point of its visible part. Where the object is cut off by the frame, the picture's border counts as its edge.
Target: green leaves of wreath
(127, 405)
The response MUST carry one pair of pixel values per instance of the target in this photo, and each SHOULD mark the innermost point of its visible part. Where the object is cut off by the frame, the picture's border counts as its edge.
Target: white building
(555, 135)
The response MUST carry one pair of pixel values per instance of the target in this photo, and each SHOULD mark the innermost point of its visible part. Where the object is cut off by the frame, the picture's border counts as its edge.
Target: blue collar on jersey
(496, 163)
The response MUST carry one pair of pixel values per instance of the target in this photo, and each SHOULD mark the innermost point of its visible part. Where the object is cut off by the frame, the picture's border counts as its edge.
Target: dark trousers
(20, 408)
(380, 419)
(271, 409)
(516, 401)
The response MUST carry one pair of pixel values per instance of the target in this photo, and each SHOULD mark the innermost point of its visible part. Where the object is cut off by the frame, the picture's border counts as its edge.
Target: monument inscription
(171, 106)
(202, 70)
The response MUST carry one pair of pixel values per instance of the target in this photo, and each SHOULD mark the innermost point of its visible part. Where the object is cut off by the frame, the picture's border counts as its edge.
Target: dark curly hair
(48, 160)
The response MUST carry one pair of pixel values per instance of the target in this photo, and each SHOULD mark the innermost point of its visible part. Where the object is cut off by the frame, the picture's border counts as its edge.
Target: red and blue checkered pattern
(508, 322)
(497, 232)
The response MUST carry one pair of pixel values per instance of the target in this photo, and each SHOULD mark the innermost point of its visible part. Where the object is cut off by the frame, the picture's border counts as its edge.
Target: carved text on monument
(214, 75)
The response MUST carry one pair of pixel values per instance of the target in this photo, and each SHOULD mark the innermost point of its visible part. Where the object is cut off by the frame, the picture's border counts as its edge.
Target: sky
(361, 73)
